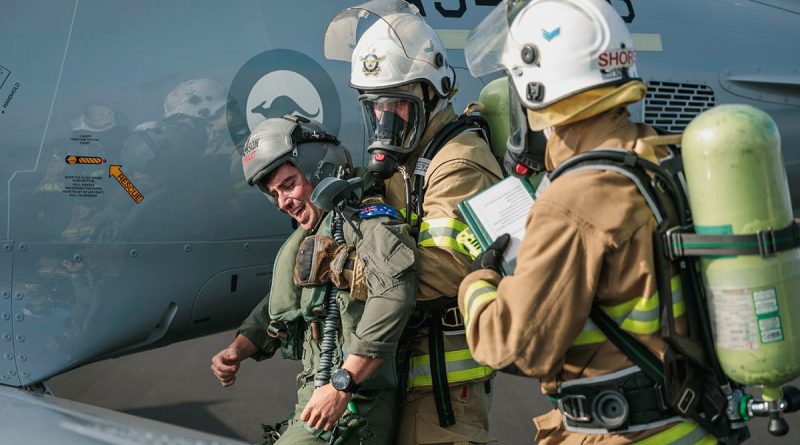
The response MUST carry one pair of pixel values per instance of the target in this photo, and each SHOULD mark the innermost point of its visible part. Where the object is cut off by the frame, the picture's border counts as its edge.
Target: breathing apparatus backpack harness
(442, 312)
(689, 382)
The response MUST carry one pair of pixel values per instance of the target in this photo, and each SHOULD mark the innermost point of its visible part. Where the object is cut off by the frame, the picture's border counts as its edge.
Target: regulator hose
(330, 327)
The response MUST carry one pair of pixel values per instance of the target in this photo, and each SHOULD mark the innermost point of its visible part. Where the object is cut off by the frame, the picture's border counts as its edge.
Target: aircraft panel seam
(47, 123)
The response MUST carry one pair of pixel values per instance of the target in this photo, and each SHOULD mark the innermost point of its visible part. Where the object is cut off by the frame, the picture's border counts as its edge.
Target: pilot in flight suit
(375, 276)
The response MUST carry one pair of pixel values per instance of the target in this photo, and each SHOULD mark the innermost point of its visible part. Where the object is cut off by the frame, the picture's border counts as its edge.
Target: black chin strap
(430, 99)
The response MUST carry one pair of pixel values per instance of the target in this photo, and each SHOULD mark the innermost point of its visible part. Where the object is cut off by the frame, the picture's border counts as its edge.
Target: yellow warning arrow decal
(116, 172)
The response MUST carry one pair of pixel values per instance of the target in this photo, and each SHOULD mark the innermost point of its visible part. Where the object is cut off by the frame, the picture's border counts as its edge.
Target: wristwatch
(341, 380)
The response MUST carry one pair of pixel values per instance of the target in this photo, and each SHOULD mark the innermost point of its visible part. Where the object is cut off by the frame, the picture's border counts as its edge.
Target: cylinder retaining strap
(683, 242)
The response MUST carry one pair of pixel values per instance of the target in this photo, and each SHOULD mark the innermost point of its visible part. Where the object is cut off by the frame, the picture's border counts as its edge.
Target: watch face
(340, 379)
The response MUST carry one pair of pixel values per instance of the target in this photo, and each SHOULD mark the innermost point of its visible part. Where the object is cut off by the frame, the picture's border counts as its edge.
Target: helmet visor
(486, 43)
(524, 147)
(399, 16)
(394, 122)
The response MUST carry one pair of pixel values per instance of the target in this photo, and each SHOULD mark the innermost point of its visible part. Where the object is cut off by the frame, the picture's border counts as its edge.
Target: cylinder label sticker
(768, 314)
(733, 319)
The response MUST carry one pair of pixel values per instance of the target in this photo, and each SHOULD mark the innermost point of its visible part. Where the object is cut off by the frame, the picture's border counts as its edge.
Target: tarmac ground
(174, 384)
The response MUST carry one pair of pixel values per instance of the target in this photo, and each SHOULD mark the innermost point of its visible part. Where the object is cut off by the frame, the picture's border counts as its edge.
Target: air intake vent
(670, 106)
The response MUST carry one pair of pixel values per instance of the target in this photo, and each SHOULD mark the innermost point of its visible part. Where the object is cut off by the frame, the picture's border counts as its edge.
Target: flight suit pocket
(388, 253)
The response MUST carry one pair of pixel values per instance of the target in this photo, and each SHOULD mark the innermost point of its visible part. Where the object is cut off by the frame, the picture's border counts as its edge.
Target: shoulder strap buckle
(630, 158)
(572, 407)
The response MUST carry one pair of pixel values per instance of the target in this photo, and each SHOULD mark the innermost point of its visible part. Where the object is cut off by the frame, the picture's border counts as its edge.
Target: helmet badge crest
(371, 64)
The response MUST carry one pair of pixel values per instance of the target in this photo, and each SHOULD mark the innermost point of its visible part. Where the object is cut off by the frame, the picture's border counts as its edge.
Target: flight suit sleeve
(389, 258)
(444, 262)
(254, 327)
(532, 317)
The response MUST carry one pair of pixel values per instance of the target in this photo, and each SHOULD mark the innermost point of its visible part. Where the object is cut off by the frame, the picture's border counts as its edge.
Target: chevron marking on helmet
(552, 34)
(371, 64)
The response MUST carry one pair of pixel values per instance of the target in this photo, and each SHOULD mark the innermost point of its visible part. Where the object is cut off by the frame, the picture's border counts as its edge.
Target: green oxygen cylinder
(496, 110)
(737, 185)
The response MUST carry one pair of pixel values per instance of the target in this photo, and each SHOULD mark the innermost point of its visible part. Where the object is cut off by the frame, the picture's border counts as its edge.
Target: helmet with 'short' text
(553, 49)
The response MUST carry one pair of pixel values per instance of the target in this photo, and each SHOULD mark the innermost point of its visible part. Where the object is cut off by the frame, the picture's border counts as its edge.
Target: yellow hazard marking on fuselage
(73, 159)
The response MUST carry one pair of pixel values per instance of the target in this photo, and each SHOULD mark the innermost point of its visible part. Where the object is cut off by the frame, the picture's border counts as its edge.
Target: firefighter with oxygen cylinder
(430, 161)
(320, 308)
(589, 236)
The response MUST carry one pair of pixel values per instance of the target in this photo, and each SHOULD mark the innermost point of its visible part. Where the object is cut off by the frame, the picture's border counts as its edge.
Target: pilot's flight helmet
(297, 140)
(201, 98)
(392, 50)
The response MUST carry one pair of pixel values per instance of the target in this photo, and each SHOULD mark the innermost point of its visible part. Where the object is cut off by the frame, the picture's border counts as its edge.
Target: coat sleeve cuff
(487, 275)
(266, 345)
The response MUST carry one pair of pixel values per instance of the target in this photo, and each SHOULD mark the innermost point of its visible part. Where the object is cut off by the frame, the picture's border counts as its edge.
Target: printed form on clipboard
(501, 208)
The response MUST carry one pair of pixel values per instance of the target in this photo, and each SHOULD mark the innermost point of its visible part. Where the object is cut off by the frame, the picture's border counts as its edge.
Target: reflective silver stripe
(433, 232)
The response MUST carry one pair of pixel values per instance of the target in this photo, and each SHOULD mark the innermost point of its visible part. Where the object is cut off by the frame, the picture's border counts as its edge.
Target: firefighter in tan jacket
(429, 161)
(589, 235)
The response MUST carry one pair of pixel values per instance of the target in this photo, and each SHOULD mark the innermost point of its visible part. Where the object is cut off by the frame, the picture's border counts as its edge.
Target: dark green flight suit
(369, 328)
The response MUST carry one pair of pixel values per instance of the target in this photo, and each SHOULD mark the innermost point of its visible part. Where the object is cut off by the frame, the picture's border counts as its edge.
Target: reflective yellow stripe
(684, 433)
(414, 217)
(638, 315)
(460, 365)
(442, 232)
(478, 294)
(443, 241)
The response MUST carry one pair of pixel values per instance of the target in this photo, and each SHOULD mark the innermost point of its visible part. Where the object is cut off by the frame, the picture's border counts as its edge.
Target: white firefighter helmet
(96, 118)
(299, 141)
(202, 98)
(553, 49)
(397, 47)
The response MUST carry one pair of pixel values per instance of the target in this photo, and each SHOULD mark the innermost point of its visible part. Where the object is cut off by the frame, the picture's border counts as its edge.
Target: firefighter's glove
(320, 260)
(493, 255)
